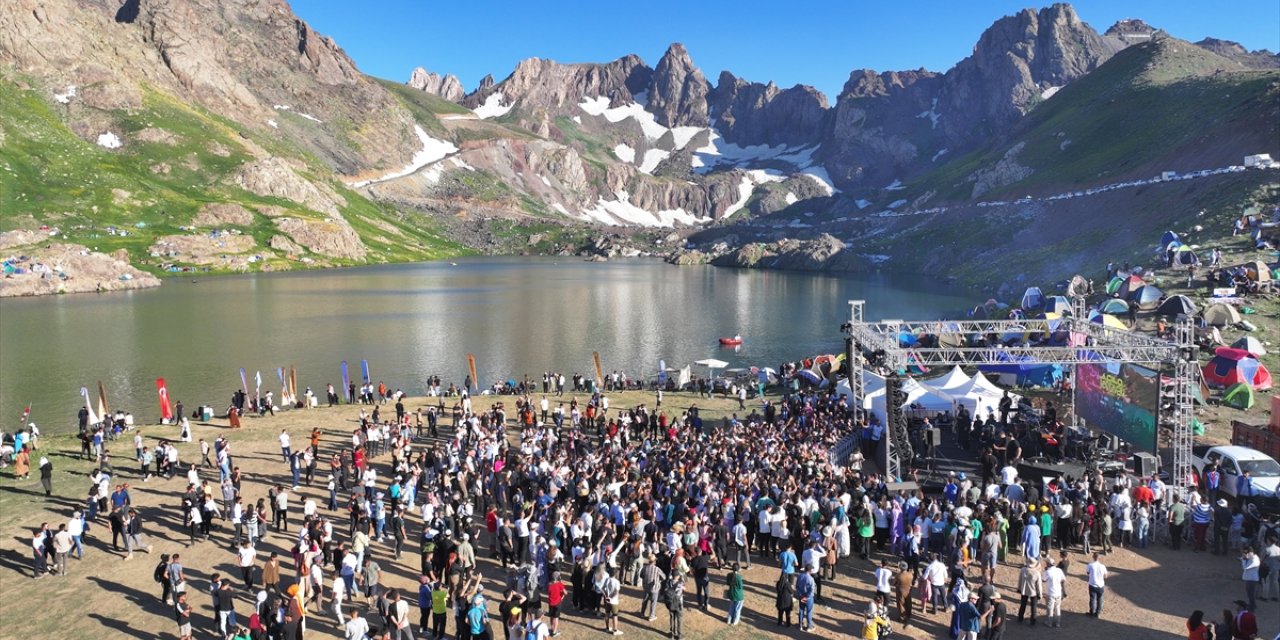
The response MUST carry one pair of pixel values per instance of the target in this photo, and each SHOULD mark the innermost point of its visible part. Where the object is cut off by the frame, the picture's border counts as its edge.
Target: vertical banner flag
(346, 377)
(293, 383)
(93, 417)
(364, 369)
(257, 384)
(166, 413)
(662, 373)
(280, 376)
(103, 407)
(595, 355)
(471, 364)
(244, 384)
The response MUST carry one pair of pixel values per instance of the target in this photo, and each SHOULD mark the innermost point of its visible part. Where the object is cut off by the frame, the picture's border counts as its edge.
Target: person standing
(995, 616)
(1054, 584)
(970, 619)
(610, 591)
(674, 594)
(1271, 558)
(285, 450)
(62, 545)
(46, 476)
(903, 583)
(271, 573)
(356, 628)
(805, 591)
(133, 534)
(226, 601)
(651, 581)
(737, 595)
(1097, 575)
(246, 556)
(1249, 565)
(1177, 519)
(39, 567)
(182, 612)
(784, 599)
(1029, 586)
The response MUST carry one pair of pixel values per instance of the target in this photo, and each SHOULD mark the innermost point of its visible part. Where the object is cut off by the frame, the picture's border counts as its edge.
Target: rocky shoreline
(55, 267)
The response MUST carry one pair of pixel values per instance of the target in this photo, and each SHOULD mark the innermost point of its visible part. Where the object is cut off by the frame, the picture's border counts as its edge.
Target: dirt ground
(1150, 592)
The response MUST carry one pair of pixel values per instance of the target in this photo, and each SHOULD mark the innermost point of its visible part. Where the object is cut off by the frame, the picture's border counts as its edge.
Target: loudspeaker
(933, 437)
(1145, 464)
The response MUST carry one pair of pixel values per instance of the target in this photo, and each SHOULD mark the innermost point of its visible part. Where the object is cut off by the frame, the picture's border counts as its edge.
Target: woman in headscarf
(958, 596)
(22, 464)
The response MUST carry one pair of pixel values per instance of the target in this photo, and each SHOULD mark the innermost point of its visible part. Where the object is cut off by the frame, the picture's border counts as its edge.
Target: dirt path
(1150, 592)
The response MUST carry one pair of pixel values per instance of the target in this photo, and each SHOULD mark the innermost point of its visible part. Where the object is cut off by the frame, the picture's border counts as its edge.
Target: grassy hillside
(1162, 105)
(175, 158)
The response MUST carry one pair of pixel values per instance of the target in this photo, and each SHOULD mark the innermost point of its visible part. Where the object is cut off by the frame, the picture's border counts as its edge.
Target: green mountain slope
(174, 160)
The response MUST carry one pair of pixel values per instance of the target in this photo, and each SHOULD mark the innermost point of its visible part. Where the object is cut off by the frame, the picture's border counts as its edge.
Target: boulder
(332, 238)
(274, 177)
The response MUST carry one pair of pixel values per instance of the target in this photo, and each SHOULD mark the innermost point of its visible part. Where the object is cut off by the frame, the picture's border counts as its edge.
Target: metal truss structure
(981, 342)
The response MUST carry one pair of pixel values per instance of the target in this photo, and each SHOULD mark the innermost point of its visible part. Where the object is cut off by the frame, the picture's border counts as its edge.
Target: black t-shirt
(182, 612)
(226, 600)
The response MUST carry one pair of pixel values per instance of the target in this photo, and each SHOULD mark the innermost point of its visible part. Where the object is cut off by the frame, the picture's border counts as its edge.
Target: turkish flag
(166, 412)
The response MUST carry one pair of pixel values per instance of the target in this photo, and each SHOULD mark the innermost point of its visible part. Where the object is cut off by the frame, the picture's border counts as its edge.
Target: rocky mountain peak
(486, 83)
(1260, 59)
(678, 90)
(324, 57)
(1132, 29)
(538, 83)
(753, 113)
(447, 86)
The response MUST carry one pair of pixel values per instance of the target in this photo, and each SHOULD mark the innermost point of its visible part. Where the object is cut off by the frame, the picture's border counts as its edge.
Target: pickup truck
(1233, 461)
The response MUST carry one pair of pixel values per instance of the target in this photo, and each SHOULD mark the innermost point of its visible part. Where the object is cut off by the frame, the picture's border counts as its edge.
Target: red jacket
(1246, 626)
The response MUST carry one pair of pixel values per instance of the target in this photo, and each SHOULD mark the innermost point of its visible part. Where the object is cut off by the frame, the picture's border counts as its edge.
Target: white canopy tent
(711, 364)
(954, 378)
(927, 397)
(980, 396)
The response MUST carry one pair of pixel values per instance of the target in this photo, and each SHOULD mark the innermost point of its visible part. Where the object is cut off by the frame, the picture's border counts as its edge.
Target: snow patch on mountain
(1049, 93)
(745, 188)
(432, 150)
(932, 114)
(818, 174)
(652, 158)
(493, 107)
(625, 153)
(109, 140)
(621, 211)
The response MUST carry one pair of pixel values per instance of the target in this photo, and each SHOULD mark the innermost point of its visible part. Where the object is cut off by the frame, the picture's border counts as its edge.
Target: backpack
(162, 571)
(531, 633)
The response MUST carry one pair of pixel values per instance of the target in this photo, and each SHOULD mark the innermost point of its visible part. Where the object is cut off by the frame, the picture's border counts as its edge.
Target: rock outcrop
(825, 252)
(221, 214)
(754, 113)
(71, 268)
(447, 86)
(274, 177)
(331, 238)
(678, 90)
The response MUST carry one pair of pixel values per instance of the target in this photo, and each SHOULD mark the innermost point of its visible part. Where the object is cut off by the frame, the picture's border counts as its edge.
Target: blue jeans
(806, 613)
(1095, 600)
(735, 612)
(79, 545)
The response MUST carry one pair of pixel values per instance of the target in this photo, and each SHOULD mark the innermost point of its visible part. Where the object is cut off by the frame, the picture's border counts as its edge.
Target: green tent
(1113, 285)
(1239, 395)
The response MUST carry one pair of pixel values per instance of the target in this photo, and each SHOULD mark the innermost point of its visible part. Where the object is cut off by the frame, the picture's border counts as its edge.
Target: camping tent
(1115, 307)
(1107, 320)
(1221, 315)
(1032, 298)
(1147, 298)
(1257, 270)
(1178, 305)
(1230, 366)
(1184, 256)
(1239, 395)
(1168, 237)
(1057, 304)
(1130, 285)
(954, 378)
(1024, 371)
(1250, 344)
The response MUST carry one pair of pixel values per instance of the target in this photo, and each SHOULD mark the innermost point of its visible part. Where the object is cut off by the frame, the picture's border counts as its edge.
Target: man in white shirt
(1008, 475)
(1097, 573)
(1054, 580)
(285, 451)
(884, 580)
(357, 628)
(936, 575)
(740, 545)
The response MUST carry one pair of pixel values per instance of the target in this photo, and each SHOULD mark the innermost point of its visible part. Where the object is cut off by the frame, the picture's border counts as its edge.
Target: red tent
(1230, 366)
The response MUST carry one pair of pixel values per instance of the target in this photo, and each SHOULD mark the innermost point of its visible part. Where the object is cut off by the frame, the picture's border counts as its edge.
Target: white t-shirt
(1054, 579)
(356, 629)
(284, 440)
(1008, 475)
(1097, 574)
(246, 556)
(883, 577)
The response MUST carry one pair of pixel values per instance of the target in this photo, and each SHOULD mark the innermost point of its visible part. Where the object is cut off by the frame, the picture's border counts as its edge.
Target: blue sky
(810, 43)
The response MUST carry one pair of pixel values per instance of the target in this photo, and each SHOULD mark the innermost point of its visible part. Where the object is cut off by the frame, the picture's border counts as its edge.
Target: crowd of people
(576, 503)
